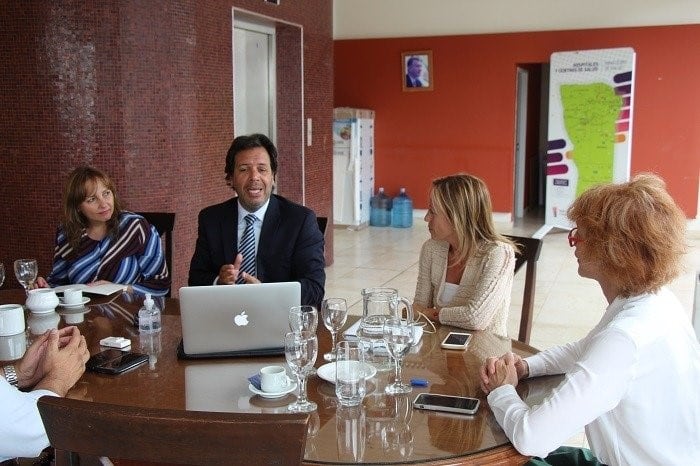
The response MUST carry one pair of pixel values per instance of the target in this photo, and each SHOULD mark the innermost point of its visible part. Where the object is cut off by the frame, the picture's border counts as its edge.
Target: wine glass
(334, 312)
(303, 318)
(2, 273)
(398, 336)
(300, 350)
(26, 271)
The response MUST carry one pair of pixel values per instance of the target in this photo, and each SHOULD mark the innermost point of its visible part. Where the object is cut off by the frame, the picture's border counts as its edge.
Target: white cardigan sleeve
(424, 290)
(493, 287)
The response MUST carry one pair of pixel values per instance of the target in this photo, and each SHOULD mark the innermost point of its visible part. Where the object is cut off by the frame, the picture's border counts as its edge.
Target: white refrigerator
(353, 166)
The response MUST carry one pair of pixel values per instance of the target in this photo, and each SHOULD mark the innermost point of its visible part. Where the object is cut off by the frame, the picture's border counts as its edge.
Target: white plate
(327, 372)
(83, 303)
(290, 389)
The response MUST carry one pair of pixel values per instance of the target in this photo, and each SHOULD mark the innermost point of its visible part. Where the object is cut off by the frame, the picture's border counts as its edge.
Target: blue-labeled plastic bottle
(402, 211)
(380, 210)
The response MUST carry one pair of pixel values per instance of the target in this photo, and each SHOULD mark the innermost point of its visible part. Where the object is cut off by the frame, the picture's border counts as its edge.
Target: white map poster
(590, 125)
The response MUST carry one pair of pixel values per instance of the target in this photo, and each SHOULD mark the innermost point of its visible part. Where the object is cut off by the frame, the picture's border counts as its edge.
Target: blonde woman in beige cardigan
(466, 268)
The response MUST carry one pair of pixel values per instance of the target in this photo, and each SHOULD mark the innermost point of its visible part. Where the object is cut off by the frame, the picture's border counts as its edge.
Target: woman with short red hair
(633, 381)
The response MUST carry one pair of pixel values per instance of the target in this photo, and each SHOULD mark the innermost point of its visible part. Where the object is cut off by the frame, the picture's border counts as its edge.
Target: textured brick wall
(143, 90)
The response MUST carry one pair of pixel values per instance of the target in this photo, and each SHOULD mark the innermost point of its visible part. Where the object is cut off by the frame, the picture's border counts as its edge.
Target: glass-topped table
(384, 429)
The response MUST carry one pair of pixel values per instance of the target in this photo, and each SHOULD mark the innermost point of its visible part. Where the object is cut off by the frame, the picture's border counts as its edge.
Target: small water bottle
(380, 210)
(402, 211)
(149, 316)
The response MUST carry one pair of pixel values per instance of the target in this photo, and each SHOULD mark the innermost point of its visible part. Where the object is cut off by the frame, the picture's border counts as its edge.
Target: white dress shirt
(633, 382)
(22, 433)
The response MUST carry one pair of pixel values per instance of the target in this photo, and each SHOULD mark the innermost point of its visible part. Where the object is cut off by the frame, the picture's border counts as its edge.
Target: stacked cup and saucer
(72, 306)
(42, 303)
(13, 341)
(272, 382)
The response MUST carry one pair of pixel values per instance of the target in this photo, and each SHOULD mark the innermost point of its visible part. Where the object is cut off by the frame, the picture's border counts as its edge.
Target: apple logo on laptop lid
(241, 320)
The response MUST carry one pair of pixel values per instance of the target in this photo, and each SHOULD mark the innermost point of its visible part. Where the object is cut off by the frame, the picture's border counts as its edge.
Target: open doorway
(531, 122)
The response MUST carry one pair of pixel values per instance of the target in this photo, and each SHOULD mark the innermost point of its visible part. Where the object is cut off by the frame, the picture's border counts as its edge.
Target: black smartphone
(114, 361)
(447, 403)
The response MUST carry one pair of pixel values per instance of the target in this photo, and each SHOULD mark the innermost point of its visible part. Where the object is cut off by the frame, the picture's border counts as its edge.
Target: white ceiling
(360, 19)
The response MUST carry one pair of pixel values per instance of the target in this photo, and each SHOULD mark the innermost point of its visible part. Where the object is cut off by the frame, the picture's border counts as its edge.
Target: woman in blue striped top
(99, 242)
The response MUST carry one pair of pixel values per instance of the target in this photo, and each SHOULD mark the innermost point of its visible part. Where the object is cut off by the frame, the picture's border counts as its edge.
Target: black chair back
(529, 254)
(164, 223)
(322, 223)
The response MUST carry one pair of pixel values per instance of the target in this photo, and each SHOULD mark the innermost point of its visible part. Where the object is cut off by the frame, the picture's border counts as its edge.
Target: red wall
(467, 122)
(142, 90)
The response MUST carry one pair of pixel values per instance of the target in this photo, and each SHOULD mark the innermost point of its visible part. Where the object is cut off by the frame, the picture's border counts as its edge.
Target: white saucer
(290, 389)
(73, 310)
(327, 372)
(83, 303)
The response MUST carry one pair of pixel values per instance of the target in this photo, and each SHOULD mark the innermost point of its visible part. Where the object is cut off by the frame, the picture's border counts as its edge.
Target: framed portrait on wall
(417, 71)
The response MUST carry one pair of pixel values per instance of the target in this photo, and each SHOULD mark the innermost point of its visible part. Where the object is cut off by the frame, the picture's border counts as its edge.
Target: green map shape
(590, 112)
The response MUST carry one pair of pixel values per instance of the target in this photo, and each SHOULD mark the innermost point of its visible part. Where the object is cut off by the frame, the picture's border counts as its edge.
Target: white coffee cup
(40, 323)
(13, 347)
(11, 319)
(273, 379)
(74, 318)
(72, 297)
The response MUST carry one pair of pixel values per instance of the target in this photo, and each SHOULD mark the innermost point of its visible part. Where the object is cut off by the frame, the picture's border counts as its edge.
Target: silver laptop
(236, 320)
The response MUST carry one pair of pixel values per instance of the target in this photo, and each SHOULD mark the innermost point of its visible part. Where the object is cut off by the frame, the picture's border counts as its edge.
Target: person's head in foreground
(630, 237)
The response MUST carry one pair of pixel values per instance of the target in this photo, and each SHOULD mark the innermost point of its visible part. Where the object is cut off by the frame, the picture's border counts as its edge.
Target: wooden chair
(77, 428)
(164, 223)
(529, 254)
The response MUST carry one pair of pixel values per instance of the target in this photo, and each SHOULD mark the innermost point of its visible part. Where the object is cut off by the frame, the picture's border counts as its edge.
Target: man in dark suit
(414, 69)
(288, 242)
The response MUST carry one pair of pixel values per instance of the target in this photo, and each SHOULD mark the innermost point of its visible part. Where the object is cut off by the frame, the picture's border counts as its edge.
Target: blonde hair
(466, 202)
(77, 188)
(635, 231)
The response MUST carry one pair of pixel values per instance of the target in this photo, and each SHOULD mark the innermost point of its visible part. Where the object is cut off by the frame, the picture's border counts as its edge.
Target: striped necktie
(247, 248)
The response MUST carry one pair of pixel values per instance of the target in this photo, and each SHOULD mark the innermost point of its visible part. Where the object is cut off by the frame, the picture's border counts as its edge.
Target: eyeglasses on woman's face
(574, 238)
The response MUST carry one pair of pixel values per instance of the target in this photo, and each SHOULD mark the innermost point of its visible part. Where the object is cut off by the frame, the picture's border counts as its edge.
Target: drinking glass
(303, 318)
(398, 336)
(335, 313)
(300, 350)
(351, 426)
(2, 273)
(350, 373)
(26, 271)
(399, 437)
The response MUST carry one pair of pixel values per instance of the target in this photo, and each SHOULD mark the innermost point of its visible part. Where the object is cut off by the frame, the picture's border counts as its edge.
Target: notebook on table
(104, 289)
(236, 320)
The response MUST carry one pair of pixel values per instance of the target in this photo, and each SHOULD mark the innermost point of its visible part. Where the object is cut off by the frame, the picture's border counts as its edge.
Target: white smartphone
(447, 403)
(456, 341)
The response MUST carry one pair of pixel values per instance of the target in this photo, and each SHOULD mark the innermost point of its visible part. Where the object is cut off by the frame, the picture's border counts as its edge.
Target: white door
(253, 78)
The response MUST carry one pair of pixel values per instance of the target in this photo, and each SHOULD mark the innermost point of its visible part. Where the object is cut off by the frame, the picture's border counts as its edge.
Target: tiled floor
(566, 305)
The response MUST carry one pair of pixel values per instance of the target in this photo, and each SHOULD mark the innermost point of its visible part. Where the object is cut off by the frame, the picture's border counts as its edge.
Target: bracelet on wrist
(10, 374)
